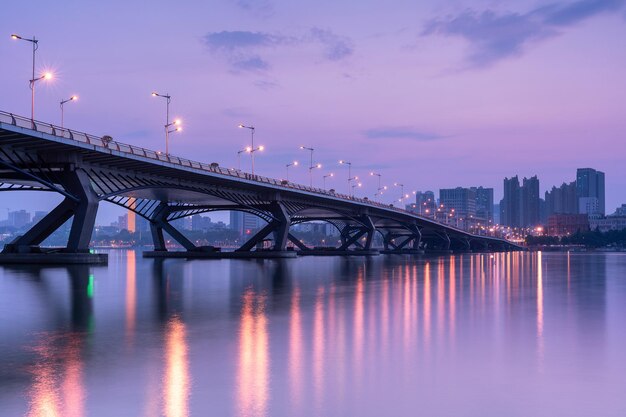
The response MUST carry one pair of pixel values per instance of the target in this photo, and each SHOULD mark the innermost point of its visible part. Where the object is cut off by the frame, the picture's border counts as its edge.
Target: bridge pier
(81, 203)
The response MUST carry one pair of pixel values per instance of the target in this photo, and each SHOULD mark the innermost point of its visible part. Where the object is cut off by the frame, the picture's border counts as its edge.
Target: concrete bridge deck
(86, 169)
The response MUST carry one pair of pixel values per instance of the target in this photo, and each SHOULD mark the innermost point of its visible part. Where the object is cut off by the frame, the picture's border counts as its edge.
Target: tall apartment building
(245, 223)
(484, 203)
(460, 200)
(590, 191)
(530, 213)
(561, 200)
(521, 206)
(510, 203)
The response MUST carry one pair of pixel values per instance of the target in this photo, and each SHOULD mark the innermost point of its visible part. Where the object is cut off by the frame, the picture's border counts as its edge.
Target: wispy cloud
(493, 37)
(237, 40)
(244, 50)
(401, 132)
(335, 47)
(260, 8)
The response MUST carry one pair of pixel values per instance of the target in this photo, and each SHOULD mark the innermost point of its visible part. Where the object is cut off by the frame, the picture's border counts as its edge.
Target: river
(503, 334)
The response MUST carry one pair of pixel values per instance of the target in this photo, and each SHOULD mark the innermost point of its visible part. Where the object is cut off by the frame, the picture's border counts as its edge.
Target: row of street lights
(175, 126)
(169, 127)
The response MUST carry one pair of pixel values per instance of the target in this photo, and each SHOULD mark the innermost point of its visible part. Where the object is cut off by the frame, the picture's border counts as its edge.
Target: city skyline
(417, 85)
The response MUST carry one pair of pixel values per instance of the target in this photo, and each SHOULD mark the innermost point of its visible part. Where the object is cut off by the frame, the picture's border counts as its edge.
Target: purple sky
(436, 94)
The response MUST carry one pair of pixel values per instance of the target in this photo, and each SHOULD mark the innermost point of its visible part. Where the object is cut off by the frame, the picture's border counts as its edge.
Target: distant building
(510, 204)
(459, 201)
(608, 223)
(589, 186)
(530, 214)
(122, 222)
(567, 224)
(561, 200)
(245, 223)
(425, 203)
(19, 218)
(484, 203)
(199, 222)
(38, 216)
(496, 214)
(620, 211)
(521, 206)
(589, 206)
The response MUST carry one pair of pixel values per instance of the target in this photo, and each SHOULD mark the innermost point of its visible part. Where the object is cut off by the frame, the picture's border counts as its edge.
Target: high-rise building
(589, 186)
(530, 214)
(245, 223)
(484, 203)
(19, 218)
(425, 203)
(561, 200)
(521, 206)
(510, 204)
(459, 201)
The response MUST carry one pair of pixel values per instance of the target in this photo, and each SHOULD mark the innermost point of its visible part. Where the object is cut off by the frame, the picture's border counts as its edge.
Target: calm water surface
(514, 334)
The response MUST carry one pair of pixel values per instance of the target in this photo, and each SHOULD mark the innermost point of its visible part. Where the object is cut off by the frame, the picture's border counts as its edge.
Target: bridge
(87, 169)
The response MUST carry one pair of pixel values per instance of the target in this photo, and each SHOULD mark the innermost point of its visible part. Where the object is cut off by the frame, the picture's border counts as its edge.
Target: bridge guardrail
(106, 142)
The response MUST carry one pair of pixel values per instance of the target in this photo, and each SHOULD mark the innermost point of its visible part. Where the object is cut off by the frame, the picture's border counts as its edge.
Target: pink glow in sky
(436, 94)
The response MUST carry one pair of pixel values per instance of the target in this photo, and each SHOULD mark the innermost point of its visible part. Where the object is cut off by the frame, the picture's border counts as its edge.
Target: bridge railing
(104, 143)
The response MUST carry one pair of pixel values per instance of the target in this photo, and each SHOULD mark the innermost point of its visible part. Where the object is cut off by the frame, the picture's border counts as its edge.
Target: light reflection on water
(470, 334)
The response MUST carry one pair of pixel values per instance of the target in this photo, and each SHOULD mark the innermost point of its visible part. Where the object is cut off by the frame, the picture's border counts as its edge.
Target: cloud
(401, 132)
(251, 63)
(244, 50)
(260, 8)
(493, 37)
(266, 84)
(335, 47)
(231, 41)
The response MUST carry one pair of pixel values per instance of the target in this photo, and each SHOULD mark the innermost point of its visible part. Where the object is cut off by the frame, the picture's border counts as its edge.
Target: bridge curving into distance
(87, 169)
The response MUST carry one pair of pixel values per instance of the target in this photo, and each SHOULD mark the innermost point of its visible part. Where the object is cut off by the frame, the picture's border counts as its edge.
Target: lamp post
(291, 164)
(252, 148)
(35, 43)
(379, 189)
(73, 98)
(397, 184)
(350, 177)
(358, 184)
(327, 176)
(168, 99)
(239, 157)
(311, 166)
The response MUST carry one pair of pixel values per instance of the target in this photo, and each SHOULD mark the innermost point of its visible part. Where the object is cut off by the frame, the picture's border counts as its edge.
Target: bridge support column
(82, 204)
(159, 223)
(278, 227)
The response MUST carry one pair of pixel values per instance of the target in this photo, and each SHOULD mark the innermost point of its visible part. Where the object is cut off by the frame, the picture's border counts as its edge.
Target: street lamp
(239, 157)
(358, 184)
(176, 122)
(379, 189)
(73, 98)
(350, 177)
(35, 43)
(311, 166)
(397, 184)
(327, 176)
(251, 148)
(291, 164)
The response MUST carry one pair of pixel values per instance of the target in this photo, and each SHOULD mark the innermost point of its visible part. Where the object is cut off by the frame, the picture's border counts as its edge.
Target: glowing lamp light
(248, 149)
(295, 163)
(154, 94)
(47, 76)
(74, 98)
(261, 147)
